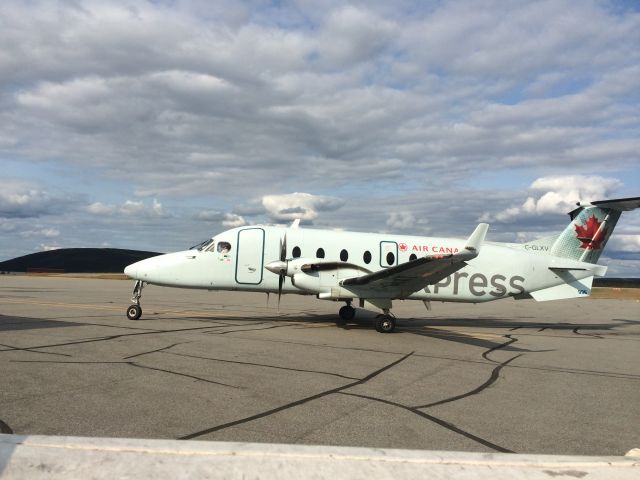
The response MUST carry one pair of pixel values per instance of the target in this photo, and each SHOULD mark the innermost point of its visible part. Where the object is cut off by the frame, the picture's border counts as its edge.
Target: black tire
(134, 312)
(385, 324)
(347, 313)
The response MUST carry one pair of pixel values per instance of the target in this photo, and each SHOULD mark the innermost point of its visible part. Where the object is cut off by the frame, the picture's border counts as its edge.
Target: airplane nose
(130, 270)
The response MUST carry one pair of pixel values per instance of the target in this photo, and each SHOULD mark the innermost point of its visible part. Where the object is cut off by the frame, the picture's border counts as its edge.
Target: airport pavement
(554, 378)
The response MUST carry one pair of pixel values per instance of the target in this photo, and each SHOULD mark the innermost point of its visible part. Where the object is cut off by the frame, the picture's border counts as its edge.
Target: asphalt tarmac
(557, 377)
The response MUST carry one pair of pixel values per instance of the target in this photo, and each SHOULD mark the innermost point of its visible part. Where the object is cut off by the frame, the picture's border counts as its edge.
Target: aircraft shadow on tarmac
(10, 323)
(432, 327)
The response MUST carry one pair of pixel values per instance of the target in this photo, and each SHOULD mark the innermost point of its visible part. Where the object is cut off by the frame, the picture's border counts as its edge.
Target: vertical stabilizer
(590, 228)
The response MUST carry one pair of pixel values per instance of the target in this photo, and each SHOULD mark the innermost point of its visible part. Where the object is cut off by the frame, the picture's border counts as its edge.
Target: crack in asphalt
(11, 347)
(154, 351)
(132, 364)
(592, 335)
(455, 359)
(324, 345)
(439, 421)
(295, 403)
(119, 326)
(238, 362)
(493, 377)
(486, 354)
(247, 329)
(495, 373)
(104, 339)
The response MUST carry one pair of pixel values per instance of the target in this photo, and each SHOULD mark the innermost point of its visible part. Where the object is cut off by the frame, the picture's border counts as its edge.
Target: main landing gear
(134, 311)
(386, 322)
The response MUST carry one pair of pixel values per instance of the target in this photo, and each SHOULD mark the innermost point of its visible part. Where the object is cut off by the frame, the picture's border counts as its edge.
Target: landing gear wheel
(347, 313)
(385, 324)
(133, 312)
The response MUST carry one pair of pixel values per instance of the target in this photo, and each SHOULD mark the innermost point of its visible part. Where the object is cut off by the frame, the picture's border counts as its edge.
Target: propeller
(283, 267)
(280, 267)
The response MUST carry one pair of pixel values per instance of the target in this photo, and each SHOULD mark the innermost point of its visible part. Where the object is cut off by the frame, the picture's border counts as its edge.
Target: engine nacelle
(294, 266)
(324, 279)
(309, 282)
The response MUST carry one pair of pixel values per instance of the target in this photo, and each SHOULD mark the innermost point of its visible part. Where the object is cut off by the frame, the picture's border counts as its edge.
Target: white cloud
(624, 243)
(229, 220)
(99, 208)
(351, 35)
(232, 220)
(23, 200)
(621, 268)
(129, 208)
(304, 206)
(209, 215)
(222, 103)
(401, 220)
(558, 194)
(46, 232)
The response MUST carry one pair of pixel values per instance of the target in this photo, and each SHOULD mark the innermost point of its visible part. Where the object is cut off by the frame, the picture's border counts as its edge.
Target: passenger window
(320, 253)
(296, 252)
(412, 257)
(367, 257)
(344, 255)
(391, 258)
(224, 247)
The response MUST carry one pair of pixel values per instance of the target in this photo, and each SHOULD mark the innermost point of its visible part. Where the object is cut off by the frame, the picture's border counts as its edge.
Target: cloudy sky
(156, 124)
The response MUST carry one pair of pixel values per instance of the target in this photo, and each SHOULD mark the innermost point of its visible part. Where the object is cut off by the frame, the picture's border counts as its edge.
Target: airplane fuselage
(501, 270)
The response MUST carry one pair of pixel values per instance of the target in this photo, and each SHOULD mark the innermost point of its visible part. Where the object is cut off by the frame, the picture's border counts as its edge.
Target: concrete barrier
(39, 457)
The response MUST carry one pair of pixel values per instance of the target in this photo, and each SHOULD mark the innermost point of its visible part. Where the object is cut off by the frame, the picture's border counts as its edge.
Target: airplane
(371, 270)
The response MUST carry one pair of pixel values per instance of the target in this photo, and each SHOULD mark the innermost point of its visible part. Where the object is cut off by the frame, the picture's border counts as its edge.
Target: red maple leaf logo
(403, 247)
(590, 234)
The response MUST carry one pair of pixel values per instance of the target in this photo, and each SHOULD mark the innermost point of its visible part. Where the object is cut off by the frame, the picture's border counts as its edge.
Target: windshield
(203, 245)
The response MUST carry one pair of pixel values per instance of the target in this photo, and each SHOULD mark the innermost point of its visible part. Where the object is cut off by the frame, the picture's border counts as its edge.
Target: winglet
(295, 223)
(476, 239)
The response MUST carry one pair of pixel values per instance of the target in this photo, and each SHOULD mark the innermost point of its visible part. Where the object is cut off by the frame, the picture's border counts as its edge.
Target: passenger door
(250, 256)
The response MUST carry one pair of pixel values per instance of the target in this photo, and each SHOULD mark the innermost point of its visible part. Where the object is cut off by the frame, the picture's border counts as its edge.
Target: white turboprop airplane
(373, 269)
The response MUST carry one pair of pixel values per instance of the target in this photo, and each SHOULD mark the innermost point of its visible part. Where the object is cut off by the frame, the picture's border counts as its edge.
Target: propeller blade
(283, 249)
(280, 282)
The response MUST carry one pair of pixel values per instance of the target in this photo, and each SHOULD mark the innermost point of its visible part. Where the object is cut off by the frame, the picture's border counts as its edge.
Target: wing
(404, 279)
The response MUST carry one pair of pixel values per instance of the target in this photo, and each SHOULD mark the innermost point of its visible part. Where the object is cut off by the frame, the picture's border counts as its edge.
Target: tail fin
(590, 228)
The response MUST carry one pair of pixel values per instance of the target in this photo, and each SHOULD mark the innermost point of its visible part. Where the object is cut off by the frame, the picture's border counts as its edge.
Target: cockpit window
(202, 246)
(210, 247)
(224, 247)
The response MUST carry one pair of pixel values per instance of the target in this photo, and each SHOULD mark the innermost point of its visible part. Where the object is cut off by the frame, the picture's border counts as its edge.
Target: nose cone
(131, 270)
(178, 269)
(276, 267)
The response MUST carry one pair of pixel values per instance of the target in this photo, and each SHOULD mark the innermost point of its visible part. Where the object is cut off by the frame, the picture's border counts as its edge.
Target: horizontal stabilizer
(560, 265)
(620, 204)
(577, 288)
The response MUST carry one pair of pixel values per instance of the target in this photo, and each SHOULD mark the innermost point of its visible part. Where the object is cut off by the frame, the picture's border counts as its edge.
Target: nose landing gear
(134, 311)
